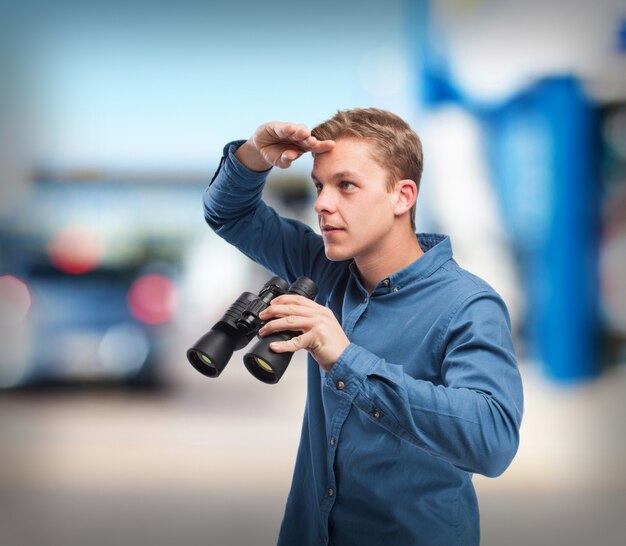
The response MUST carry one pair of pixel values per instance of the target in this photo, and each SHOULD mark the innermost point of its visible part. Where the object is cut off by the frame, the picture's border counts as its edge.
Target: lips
(329, 228)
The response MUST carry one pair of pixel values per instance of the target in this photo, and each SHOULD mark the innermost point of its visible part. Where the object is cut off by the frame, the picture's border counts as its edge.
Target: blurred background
(113, 117)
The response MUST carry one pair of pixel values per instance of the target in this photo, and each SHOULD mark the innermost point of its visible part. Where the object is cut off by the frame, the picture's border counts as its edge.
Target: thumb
(288, 346)
(288, 157)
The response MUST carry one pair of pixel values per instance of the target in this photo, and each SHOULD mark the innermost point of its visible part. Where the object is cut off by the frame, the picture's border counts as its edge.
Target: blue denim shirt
(427, 393)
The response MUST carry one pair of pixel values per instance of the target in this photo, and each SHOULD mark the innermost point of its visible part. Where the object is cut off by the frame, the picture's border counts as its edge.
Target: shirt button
(396, 289)
(331, 492)
(376, 414)
(386, 282)
(333, 441)
(341, 385)
(364, 300)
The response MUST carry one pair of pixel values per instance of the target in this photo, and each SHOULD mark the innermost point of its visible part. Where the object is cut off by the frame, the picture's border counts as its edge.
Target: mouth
(327, 229)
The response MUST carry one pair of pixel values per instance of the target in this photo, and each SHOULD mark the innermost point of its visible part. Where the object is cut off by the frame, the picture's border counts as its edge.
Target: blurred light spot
(14, 299)
(123, 349)
(75, 250)
(152, 299)
(614, 132)
(75, 355)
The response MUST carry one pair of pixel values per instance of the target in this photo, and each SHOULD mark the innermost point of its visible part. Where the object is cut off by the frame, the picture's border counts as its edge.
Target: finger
(292, 131)
(321, 146)
(284, 324)
(290, 309)
(282, 130)
(290, 155)
(291, 298)
(295, 299)
(301, 133)
(290, 346)
(284, 163)
(311, 144)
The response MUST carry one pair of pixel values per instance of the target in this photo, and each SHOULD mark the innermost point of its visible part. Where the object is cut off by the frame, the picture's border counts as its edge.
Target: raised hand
(279, 144)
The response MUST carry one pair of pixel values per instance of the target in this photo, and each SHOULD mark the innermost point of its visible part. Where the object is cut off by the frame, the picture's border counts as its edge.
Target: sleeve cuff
(350, 371)
(234, 170)
(237, 166)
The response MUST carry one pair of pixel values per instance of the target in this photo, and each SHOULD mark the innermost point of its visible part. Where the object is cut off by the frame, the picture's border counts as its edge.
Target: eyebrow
(337, 176)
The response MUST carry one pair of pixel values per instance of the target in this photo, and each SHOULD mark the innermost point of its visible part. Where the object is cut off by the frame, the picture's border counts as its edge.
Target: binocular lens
(206, 359)
(259, 361)
(201, 360)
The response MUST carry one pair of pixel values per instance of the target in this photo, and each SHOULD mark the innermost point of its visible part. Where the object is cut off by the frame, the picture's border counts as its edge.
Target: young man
(412, 378)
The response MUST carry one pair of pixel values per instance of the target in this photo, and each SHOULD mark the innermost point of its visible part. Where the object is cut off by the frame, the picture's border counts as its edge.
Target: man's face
(354, 208)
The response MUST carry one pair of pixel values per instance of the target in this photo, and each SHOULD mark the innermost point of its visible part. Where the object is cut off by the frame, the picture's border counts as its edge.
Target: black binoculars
(210, 354)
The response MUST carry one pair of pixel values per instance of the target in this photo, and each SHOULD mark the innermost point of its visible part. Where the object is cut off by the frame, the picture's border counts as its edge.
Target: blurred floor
(210, 462)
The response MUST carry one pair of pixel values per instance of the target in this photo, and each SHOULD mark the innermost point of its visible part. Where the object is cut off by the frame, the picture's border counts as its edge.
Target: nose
(325, 203)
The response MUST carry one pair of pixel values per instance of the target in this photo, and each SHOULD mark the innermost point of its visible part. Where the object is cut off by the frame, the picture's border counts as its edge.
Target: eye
(318, 188)
(347, 185)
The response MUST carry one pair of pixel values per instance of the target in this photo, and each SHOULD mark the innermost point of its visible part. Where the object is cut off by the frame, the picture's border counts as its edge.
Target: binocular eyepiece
(241, 322)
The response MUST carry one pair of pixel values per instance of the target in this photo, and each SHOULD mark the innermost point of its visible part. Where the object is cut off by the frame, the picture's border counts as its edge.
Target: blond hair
(395, 146)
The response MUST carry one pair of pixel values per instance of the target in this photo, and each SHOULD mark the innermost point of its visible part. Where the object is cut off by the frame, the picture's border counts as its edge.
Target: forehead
(349, 155)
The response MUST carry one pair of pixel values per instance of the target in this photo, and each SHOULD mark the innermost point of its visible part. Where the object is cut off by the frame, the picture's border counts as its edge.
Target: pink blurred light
(15, 299)
(152, 299)
(75, 250)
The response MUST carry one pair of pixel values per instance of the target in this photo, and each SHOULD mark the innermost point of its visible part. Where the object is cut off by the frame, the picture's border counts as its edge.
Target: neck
(373, 269)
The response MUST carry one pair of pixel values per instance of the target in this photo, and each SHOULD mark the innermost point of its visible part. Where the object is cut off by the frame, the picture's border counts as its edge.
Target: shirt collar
(437, 250)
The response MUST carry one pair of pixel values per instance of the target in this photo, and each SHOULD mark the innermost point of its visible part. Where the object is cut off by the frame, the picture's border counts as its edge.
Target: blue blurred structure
(541, 145)
(543, 152)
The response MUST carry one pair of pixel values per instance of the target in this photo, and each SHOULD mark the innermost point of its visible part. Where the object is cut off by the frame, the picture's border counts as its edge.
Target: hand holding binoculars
(241, 322)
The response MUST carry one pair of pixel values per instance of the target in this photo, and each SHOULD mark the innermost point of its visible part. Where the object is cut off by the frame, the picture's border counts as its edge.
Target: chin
(337, 255)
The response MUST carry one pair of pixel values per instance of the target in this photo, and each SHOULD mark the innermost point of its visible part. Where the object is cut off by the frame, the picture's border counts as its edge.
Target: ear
(406, 193)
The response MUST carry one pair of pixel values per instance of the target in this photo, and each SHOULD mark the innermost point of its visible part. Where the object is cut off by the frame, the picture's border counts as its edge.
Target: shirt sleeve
(472, 418)
(234, 209)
